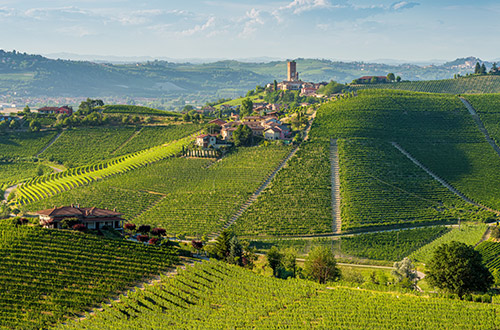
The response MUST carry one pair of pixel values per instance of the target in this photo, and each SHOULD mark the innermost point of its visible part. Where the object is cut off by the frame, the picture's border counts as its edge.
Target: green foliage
(321, 265)
(222, 244)
(404, 272)
(103, 267)
(274, 260)
(246, 108)
(456, 267)
(242, 136)
(88, 106)
(332, 88)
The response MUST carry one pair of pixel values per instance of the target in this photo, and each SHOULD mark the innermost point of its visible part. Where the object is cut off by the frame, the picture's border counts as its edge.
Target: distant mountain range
(34, 75)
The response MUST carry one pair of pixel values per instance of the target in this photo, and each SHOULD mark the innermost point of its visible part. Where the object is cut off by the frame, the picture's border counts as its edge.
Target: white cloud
(403, 5)
(299, 6)
(199, 28)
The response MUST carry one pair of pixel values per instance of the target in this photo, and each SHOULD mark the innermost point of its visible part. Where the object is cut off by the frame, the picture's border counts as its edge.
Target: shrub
(143, 238)
(198, 245)
(153, 241)
(79, 227)
(129, 226)
(158, 231)
(144, 229)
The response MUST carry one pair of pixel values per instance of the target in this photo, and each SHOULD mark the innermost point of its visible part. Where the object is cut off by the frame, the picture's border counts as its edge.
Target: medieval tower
(293, 75)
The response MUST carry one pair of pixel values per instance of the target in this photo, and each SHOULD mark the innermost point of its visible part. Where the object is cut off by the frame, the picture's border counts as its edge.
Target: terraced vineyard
(49, 185)
(390, 245)
(48, 275)
(219, 296)
(179, 194)
(463, 85)
(298, 201)
(24, 144)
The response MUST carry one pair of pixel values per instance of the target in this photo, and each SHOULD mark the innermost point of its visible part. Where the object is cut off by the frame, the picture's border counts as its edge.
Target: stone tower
(292, 71)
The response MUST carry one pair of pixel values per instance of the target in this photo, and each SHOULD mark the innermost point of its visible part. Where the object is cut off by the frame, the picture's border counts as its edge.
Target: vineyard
(24, 144)
(137, 110)
(179, 194)
(463, 85)
(299, 199)
(390, 245)
(13, 172)
(83, 146)
(213, 295)
(49, 275)
(472, 168)
(468, 234)
(488, 109)
(48, 185)
(491, 253)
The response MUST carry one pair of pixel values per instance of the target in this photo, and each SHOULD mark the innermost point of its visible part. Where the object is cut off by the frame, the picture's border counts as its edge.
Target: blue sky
(334, 29)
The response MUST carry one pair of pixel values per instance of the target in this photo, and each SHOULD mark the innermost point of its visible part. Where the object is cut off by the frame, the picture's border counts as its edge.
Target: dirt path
(7, 191)
(480, 125)
(334, 163)
(256, 194)
(50, 143)
(265, 184)
(444, 183)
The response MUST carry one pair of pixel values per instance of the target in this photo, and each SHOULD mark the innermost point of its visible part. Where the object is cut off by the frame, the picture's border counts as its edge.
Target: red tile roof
(71, 211)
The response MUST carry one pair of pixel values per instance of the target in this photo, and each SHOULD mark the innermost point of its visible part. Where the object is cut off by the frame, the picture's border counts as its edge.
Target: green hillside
(49, 275)
(462, 85)
(217, 296)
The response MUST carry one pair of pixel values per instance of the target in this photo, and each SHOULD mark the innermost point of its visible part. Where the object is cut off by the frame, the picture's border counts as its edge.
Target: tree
(235, 251)
(89, 105)
(398, 78)
(186, 117)
(494, 68)
(483, 69)
(144, 229)
(222, 244)
(14, 124)
(275, 85)
(290, 261)
(391, 77)
(404, 272)
(332, 87)
(35, 125)
(274, 260)
(477, 68)
(242, 136)
(321, 265)
(3, 125)
(458, 268)
(26, 109)
(246, 108)
(374, 80)
(187, 108)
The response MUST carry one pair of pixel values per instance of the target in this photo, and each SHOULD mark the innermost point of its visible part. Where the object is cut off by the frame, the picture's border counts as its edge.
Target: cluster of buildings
(293, 83)
(67, 110)
(269, 127)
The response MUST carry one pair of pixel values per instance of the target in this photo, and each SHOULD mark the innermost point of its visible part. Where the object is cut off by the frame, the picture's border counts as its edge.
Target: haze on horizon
(335, 29)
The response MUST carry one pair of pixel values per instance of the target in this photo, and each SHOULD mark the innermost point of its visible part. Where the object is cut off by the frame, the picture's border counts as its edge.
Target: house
(218, 122)
(206, 140)
(56, 110)
(272, 133)
(91, 217)
(227, 132)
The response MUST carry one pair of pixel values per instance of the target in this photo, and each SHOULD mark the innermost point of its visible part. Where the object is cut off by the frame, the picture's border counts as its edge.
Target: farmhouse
(368, 79)
(91, 217)
(56, 110)
(206, 140)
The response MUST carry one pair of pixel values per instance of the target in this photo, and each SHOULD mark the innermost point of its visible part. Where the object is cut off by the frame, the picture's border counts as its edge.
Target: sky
(348, 30)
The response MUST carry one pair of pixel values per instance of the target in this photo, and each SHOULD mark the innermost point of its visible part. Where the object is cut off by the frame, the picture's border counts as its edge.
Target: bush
(143, 238)
(144, 229)
(130, 226)
(80, 227)
(153, 241)
(158, 231)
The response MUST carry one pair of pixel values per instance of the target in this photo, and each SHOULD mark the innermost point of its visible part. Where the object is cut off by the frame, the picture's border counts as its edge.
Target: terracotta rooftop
(69, 211)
